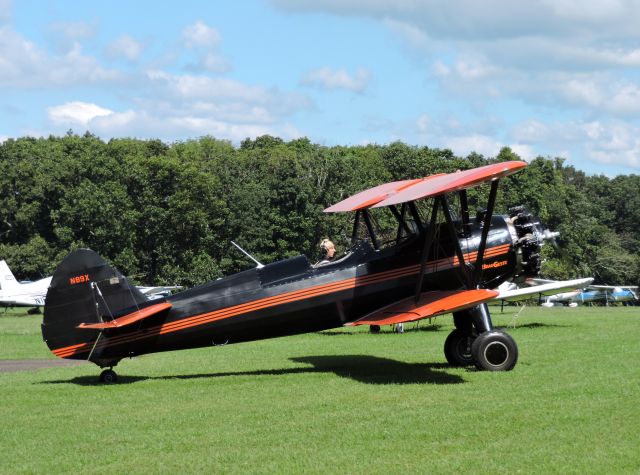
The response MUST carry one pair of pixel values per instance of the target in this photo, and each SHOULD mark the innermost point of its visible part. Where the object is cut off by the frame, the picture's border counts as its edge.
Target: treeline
(165, 214)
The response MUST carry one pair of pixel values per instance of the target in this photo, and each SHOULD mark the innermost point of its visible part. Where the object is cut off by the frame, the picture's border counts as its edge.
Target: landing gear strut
(108, 376)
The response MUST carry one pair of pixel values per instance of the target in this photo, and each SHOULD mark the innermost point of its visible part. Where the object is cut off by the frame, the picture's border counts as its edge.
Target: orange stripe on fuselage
(288, 297)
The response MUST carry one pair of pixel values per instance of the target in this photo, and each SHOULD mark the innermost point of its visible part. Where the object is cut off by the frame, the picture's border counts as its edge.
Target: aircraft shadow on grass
(362, 368)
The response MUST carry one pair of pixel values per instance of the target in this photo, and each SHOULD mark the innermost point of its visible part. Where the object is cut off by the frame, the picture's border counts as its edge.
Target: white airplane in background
(530, 288)
(16, 294)
(32, 294)
(157, 292)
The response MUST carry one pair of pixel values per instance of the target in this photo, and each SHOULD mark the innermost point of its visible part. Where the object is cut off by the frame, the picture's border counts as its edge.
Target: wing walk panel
(430, 304)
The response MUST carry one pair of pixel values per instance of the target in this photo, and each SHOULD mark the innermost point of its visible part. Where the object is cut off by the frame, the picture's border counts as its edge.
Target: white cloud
(556, 53)
(526, 152)
(182, 124)
(464, 145)
(603, 93)
(530, 131)
(76, 113)
(179, 106)
(329, 79)
(608, 141)
(205, 40)
(200, 35)
(23, 65)
(6, 6)
(66, 34)
(469, 19)
(124, 47)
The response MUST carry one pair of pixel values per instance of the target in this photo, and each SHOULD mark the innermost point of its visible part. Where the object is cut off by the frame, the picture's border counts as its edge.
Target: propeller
(532, 235)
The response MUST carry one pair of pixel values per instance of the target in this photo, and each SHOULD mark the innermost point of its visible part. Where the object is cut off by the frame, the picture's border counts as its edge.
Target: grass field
(342, 401)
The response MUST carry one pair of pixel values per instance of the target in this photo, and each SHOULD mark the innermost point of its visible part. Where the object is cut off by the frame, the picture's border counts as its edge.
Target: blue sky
(545, 77)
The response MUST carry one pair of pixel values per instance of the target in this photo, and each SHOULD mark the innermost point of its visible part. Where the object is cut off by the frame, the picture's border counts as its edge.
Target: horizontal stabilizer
(129, 318)
(430, 304)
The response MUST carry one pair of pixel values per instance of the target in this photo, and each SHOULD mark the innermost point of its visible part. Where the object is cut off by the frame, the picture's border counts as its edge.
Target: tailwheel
(108, 376)
(457, 348)
(494, 351)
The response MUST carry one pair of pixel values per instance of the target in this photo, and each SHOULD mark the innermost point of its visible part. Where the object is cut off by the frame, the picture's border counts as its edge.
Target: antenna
(258, 264)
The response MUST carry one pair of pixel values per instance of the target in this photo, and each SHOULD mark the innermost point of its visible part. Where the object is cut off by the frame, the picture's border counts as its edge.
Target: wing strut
(416, 216)
(428, 241)
(452, 229)
(486, 224)
(367, 221)
(400, 217)
(356, 224)
(464, 208)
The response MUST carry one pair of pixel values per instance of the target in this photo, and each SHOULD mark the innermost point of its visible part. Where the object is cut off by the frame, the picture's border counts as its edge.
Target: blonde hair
(325, 245)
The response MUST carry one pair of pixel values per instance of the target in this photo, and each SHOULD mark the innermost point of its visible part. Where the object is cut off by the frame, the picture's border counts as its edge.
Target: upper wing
(371, 196)
(430, 304)
(544, 289)
(411, 190)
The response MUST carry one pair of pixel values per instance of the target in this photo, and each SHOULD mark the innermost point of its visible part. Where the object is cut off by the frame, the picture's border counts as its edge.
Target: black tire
(457, 348)
(108, 376)
(374, 328)
(494, 351)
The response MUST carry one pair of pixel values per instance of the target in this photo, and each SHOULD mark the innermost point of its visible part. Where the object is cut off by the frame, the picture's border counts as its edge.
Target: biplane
(438, 262)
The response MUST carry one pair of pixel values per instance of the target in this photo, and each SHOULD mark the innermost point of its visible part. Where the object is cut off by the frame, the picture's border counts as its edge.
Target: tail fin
(84, 289)
(7, 280)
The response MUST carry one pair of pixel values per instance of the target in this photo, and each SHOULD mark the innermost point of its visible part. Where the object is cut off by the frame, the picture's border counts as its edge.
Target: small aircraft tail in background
(7, 280)
(16, 294)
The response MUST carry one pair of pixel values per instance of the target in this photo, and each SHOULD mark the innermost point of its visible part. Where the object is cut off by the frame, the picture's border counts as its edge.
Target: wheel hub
(496, 353)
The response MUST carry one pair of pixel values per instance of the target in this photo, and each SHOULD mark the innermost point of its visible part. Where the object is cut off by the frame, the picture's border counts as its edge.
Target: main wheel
(494, 351)
(457, 348)
(108, 376)
(374, 328)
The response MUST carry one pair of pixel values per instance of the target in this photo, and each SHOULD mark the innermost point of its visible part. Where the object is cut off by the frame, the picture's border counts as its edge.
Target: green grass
(342, 401)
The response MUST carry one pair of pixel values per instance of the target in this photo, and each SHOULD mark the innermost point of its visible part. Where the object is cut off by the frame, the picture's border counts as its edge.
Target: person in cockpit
(327, 252)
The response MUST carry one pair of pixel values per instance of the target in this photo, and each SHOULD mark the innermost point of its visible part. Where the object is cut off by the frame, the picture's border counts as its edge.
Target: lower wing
(429, 305)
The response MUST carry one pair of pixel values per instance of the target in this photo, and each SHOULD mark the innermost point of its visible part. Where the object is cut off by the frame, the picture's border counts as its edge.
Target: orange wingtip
(127, 319)
(430, 304)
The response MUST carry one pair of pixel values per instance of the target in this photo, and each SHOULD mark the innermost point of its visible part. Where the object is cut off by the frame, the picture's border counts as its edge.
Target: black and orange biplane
(436, 264)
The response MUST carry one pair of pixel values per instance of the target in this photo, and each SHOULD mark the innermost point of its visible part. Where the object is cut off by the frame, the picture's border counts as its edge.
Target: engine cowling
(529, 237)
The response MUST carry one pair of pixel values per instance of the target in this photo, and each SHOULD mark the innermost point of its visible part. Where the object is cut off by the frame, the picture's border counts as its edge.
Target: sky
(552, 78)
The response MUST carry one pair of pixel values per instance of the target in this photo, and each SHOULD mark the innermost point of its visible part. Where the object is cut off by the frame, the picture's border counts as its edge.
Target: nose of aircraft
(531, 236)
